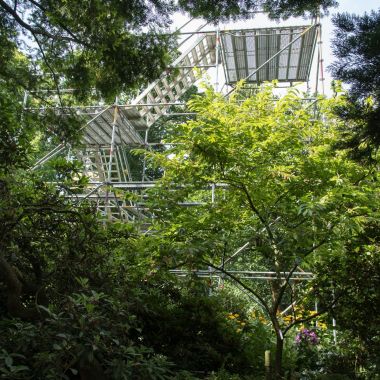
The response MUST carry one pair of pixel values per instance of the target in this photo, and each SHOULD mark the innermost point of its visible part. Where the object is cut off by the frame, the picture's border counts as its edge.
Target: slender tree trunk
(278, 356)
(275, 290)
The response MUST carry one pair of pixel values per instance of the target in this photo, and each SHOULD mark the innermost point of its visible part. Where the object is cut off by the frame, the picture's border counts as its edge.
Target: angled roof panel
(246, 50)
(98, 129)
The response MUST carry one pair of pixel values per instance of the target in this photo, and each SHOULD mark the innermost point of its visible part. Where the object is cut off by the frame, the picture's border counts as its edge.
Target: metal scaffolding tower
(109, 132)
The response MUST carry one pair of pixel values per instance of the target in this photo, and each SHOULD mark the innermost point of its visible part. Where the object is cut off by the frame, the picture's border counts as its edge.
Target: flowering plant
(307, 336)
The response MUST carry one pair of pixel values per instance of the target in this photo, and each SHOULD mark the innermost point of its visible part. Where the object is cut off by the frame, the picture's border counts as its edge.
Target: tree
(218, 10)
(46, 244)
(283, 191)
(64, 278)
(92, 44)
(356, 46)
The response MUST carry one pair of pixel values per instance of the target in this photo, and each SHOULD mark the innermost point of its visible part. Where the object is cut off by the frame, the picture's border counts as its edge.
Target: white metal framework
(109, 132)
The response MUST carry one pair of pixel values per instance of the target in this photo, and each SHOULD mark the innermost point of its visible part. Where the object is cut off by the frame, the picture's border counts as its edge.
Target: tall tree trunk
(278, 356)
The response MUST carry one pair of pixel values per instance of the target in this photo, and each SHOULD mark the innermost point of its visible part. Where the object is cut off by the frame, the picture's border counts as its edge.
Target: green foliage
(91, 330)
(237, 9)
(147, 329)
(86, 45)
(83, 300)
(78, 299)
(16, 129)
(97, 44)
(357, 309)
(356, 47)
(280, 187)
(329, 360)
(286, 186)
(196, 332)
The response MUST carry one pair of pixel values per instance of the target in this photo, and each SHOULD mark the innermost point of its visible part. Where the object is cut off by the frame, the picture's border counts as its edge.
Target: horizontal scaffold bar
(139, 185)
(253, 275)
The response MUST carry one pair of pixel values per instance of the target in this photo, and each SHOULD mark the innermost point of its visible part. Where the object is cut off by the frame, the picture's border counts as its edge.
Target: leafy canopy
(215, 10)
(281, 182)
(92, 44)
(357, 49)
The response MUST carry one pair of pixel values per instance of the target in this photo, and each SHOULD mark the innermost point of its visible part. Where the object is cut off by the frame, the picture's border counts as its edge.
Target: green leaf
(8, 361)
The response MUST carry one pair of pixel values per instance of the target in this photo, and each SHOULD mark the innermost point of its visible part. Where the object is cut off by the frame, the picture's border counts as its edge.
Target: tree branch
(283, 287)
(282, 196)
(50, 68)
(314, 247)
(28, 27)
(68, 31)
(236, 279)
(243, 187)
(14, 292)
(286, 282)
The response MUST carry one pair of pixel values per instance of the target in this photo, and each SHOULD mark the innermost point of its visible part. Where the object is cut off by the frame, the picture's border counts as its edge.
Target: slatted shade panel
(97, 124)
(244, 51)
(99, 129)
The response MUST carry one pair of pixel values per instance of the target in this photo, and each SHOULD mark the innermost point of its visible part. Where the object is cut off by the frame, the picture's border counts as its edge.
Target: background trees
(217, 10)
(353, 278)
(356, 46)
(92, 44)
